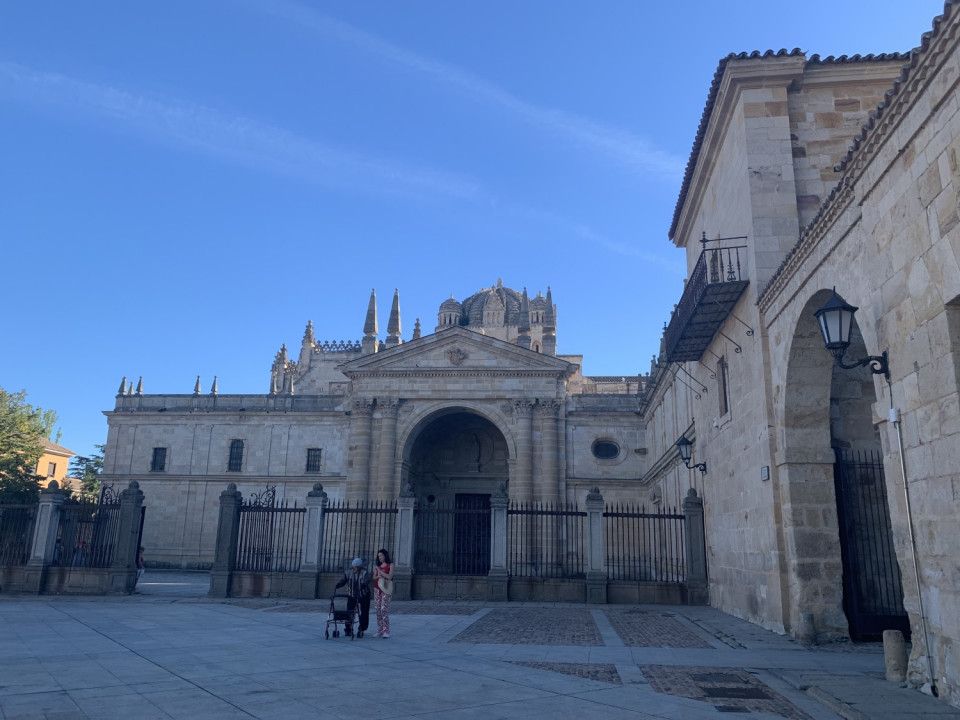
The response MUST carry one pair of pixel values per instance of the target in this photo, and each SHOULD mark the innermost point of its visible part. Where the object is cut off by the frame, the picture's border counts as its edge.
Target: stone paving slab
(168, 652)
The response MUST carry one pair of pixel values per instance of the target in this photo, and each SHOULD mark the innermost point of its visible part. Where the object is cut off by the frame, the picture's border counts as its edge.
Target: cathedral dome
(474, 305)
(450, 305)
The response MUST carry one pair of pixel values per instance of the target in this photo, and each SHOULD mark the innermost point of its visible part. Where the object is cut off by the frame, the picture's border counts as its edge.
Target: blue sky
(184, 184)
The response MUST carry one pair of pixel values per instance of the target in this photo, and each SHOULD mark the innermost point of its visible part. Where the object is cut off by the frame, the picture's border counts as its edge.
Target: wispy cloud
(616, 144)
(272, 149)
(237, 138)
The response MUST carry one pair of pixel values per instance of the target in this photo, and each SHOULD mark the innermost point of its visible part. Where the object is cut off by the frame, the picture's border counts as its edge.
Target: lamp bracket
(879, 364)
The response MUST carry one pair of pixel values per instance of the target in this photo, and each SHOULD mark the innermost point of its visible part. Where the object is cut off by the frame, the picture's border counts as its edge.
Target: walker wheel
(327, 634)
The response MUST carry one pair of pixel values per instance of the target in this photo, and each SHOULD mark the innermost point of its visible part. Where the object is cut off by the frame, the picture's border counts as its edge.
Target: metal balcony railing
(714, 287)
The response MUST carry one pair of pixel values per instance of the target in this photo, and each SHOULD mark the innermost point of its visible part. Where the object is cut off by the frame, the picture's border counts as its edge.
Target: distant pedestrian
(80, 554)
(383, 575)
(357, 580)
(139, 563)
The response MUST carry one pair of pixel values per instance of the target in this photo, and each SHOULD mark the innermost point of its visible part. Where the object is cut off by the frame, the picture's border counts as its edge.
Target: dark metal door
(471, 534)
(872, 590)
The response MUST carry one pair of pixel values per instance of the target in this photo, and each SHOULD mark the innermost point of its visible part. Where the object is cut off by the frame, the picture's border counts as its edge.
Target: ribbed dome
(473, 306)
(450, 305)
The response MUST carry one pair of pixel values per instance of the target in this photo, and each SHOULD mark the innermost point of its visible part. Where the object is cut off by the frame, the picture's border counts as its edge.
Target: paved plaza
(170, 652)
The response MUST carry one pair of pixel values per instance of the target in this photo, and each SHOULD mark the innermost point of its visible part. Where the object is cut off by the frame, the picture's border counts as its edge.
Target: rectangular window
(159, 461)
(722, 382)
(51, 469)
(313, 459)
(235, 462)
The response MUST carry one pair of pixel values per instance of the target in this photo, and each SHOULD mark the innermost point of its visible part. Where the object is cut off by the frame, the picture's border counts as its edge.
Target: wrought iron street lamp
(836, 324)
(686, 450)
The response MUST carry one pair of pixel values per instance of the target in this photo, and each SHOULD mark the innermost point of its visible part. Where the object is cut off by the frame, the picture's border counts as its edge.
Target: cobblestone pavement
(728, 690)
(642, 628)
(169, 652)
(545, 626)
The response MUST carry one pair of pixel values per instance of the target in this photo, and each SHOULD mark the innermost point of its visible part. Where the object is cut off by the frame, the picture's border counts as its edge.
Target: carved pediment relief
(456, 350)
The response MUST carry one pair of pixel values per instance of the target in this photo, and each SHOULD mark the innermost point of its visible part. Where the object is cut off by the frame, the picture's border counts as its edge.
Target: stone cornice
(881, 127)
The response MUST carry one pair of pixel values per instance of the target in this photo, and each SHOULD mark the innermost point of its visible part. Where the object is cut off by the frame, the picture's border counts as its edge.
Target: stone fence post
(313, 529)
(123, 564)
(403, 569)
(498, 577)
(696, 549)
(228, 527)
(44, 540)
(596, 568)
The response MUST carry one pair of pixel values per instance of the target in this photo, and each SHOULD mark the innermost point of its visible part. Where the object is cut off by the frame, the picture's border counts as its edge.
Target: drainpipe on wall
(895, 419)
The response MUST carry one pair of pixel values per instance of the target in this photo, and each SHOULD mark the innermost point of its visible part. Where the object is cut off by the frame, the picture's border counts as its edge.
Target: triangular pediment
(457, 350)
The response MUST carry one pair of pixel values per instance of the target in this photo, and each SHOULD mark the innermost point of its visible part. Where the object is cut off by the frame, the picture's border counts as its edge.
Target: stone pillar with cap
(225, 555)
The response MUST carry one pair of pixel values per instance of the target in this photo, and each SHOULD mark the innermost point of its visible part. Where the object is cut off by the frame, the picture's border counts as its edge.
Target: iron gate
(872, 589)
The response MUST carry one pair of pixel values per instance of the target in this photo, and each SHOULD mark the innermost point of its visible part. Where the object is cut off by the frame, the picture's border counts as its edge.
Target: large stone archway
(827, 415)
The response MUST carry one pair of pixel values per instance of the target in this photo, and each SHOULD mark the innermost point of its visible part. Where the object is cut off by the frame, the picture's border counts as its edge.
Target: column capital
(523, 406)
(549, 407)
(388, 405)
(362, 406)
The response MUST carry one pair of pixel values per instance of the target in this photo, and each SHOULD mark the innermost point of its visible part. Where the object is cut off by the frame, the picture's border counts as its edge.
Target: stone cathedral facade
(830, 490)
(483, 401)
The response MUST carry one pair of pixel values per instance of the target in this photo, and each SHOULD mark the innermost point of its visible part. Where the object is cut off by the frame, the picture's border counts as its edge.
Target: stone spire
(416, 330)
(196, 387)
(306, 348)
(370, 329)
(215, 389)
(393, 324)
(523, 338)
(123, 386)
(140, 386)
(550, 327)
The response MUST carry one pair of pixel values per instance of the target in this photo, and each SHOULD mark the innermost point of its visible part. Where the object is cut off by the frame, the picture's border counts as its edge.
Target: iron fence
(453, 538)
(87, 534)
(357, 531)
(16, 533)
(643, 545)
(546, 540)
(270, 538)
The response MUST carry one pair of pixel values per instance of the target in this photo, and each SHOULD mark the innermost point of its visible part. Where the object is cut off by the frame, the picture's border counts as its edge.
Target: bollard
(895, 655)
(807, 630)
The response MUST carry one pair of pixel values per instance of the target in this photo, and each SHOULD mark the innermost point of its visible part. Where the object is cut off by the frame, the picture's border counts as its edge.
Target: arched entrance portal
(872, 589)
(834, 513)
(457, 461)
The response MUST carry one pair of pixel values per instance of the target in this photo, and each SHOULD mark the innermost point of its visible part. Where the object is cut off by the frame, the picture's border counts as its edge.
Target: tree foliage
(87, 470)
(22, 427)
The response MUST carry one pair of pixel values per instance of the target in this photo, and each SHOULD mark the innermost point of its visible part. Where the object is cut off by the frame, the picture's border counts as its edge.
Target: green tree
(87, 470)
(22, 427)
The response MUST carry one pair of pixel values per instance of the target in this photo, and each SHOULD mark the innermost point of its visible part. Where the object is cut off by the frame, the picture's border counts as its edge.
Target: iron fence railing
(644, 546)
(546, 540)
(270, 538)
(453, 538)
(87, 535)
(16, 533)
(357, 531)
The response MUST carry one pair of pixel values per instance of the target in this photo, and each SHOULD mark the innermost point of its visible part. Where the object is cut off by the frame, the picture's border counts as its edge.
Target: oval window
(605, 450)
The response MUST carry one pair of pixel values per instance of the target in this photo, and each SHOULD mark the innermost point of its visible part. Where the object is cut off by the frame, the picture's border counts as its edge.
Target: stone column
(406, 545)
(499, 576)
(358, 452)
(596, 550)
(123, 565)
(386, 467)
(521, 487)
(696, 549)
(550, 461)
(226, 552)
(313, 527)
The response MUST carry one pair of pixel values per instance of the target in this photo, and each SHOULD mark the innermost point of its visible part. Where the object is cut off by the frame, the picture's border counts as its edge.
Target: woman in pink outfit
(383, 582)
